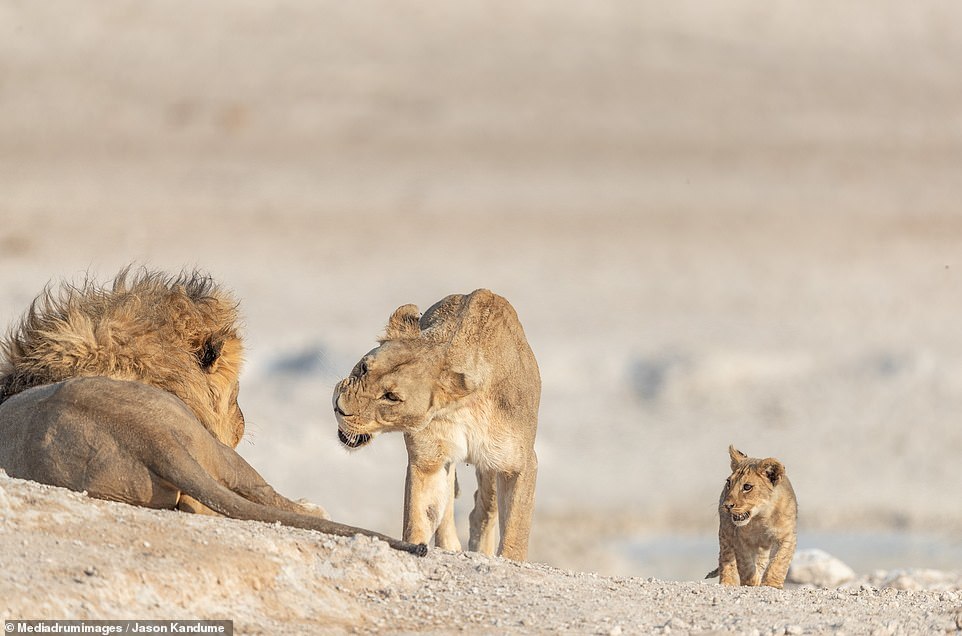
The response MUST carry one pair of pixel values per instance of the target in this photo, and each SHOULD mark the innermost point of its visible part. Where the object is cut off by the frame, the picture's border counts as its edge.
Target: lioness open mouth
(742, 517)
(353, 441)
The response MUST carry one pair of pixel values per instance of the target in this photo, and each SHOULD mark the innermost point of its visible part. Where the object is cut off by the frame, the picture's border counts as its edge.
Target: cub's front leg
(778, 568)
(427, 496)
(727, 563)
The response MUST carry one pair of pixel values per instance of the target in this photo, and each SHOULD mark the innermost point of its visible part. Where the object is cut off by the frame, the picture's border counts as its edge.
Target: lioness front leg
(516, 507)
(778, 568)
(484, 516)
(425, 502)
(446, 536)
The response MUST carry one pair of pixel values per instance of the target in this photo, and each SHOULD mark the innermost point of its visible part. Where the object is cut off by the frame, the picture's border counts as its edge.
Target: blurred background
(719, 223)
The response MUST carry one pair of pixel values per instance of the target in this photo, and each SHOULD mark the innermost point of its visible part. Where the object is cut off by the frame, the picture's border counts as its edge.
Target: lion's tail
(713, 574)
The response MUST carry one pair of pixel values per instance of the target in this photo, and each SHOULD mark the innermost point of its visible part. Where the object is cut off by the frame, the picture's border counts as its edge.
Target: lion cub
(462, 384)
(757, 515)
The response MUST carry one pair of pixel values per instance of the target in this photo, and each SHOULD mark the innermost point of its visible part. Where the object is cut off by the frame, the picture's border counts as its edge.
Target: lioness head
(177, 333)
(397, 386)
(748, 491)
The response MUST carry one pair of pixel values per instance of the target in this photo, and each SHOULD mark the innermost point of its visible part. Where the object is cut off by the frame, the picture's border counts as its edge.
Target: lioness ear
(773, 469)
(208, 354)
(404, 323)
(736, 455)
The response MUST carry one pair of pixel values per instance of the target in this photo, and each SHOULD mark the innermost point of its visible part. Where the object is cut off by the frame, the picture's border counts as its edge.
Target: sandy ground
(719, 224)
(69, 556)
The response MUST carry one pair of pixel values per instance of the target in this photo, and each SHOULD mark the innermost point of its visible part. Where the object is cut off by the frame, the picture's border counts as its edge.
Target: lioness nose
(337, 406)
(728, 506)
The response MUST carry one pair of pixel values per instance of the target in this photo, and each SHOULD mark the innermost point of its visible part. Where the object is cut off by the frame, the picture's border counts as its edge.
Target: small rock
(794, 629)
(677, 623)
(615, 631)
(819, 568)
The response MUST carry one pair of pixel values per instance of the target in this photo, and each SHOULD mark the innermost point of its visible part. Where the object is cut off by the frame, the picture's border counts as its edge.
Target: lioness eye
(391, 397)
(747, 487)
(728, 483)
(363, 367)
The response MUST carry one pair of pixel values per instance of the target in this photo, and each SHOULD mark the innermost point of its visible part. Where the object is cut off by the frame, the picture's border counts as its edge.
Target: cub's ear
(737, 456)
(773, 469)
(404, 323)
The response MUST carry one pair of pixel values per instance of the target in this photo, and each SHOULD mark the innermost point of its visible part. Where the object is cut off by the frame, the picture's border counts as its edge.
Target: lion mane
(178, 333)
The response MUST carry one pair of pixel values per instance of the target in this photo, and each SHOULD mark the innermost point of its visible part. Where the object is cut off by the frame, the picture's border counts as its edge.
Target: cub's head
(398, 386)
(176, 333)
(749, 489)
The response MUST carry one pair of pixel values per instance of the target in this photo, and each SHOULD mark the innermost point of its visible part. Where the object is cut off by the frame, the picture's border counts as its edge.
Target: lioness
(757, 516)
(462, 384)
(129, 392)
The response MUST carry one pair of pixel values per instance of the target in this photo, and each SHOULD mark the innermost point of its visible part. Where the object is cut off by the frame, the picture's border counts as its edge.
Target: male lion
(129, 392)
(462, 384)
(757, 516)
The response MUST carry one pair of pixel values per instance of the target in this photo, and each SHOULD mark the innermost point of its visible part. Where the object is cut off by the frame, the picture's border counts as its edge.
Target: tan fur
(757, 520)
(462, 384)
(129, 392)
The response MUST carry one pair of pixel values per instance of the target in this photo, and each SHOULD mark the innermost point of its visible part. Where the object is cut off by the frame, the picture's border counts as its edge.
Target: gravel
(68, 556)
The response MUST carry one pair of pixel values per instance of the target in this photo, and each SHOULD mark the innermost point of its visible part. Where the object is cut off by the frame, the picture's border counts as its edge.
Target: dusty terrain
(719, 224)
(69, 556)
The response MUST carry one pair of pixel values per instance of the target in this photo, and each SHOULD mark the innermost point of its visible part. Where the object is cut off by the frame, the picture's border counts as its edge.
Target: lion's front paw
(312, 509)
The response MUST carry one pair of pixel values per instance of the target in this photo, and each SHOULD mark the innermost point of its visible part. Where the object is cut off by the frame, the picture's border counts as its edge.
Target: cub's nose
(728, 506)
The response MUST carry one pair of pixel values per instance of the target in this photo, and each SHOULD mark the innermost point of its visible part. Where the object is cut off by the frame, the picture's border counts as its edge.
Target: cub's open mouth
(353, 441)
(742, 517)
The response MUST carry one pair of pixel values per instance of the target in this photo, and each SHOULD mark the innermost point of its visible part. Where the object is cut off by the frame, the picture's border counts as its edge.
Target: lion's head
(177, 333)
(400, 384)
(749, 489)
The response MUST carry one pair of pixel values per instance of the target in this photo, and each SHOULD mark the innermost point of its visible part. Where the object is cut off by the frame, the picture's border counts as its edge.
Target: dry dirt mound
(68, 556)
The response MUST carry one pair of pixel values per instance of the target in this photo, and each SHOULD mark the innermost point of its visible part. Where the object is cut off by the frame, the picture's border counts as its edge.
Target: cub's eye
(728, 483)
(363, 369)
(391, 397)
(747, 487)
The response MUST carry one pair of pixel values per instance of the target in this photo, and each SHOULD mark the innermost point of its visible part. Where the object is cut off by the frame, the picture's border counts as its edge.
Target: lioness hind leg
(483, 537)
(516, 507)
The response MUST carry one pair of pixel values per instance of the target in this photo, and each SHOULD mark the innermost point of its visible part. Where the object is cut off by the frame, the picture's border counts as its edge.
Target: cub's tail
(713, 574)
